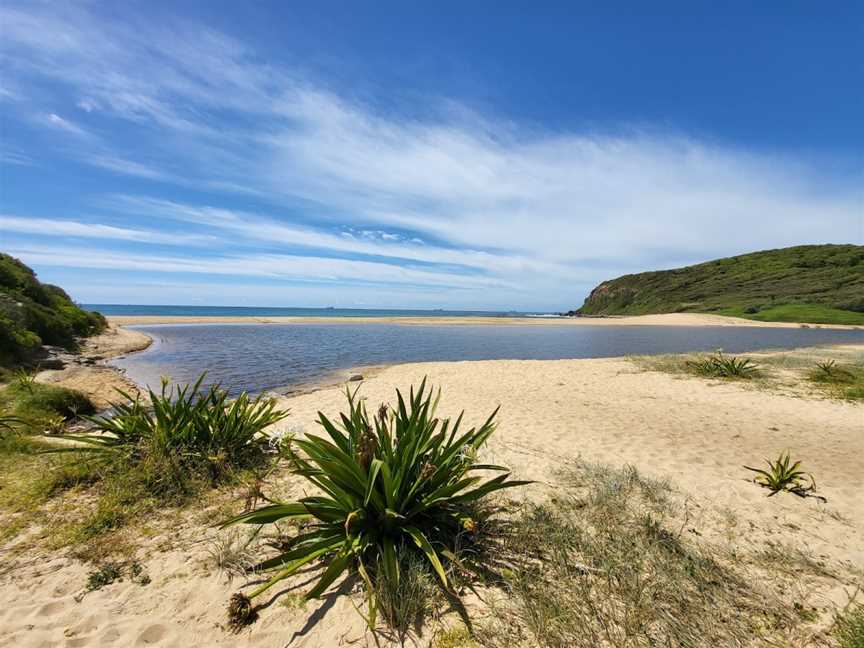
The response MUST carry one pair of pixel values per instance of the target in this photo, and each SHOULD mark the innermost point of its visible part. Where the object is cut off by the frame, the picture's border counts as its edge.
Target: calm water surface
(258, 357)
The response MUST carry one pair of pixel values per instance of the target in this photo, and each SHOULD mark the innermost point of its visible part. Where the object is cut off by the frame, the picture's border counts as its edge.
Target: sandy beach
(696, 432)
(89, 372)
(668, 319)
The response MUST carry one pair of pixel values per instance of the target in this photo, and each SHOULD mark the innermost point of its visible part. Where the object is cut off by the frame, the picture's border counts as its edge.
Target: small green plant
(839, 381)
(113, 571)
(188, 425)
(55, 424)
(830, 372)
(37, 402)
(723, 366)
(783, 475)
(105, 575)
(25, 379)
(393, 485)
(849, 627)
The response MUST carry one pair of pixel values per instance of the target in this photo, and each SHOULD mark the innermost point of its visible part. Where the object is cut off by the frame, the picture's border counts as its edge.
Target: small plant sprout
(55, 424)
(784, 476)
(829, 371)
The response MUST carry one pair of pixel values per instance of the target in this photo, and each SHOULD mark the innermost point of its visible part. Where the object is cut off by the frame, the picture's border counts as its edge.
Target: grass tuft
(849, 627)
(608, 563)
(38, 404)
(839, 381)
(723, 366)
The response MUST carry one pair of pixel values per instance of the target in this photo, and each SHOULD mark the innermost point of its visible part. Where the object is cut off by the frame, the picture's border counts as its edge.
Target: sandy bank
(696, 432)
(669, 319)
(87, 374)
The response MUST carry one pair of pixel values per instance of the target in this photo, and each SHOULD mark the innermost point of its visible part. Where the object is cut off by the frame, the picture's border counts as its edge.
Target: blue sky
(456, 155)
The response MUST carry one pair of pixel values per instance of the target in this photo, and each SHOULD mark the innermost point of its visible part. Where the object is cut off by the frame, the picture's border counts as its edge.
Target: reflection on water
(257, 357)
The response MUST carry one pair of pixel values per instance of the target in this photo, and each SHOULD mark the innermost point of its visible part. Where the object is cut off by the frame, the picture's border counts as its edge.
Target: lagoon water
(259, 357)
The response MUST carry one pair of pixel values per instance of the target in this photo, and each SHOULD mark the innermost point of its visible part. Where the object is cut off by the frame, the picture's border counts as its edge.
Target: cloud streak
(451, 197)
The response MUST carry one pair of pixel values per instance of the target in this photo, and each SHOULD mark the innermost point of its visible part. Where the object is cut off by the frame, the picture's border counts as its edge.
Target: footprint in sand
(50, 609)
(151, 635)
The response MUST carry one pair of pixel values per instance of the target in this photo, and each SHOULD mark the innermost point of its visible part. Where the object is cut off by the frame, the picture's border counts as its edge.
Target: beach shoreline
(90, 370)
(698, 433)
(667, 319)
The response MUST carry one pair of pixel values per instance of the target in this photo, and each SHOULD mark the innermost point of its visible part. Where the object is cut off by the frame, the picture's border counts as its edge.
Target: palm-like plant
(397, 482)
(783, 475)
(186, 422)
(829, 371)
(722, 366)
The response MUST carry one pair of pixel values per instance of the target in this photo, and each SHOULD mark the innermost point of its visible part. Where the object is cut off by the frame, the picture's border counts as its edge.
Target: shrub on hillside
(33, 313)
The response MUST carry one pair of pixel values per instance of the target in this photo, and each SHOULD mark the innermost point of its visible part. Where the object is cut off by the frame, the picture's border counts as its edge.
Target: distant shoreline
(669, 319)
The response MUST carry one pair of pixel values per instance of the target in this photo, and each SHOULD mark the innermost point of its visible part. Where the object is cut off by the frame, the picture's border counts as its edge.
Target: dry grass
(608, 563)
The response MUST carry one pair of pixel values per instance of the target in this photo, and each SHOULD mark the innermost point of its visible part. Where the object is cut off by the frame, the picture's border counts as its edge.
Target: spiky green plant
(185, 422)
(723, 366)
(829, 372)
(25, 379)
(396, 482)
(783, 475)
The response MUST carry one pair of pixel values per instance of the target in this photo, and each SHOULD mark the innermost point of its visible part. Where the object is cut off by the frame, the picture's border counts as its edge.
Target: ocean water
(247, 311)
(259, 357)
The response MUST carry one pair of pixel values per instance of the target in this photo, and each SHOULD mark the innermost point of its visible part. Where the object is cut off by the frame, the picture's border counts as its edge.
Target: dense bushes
(33, 313)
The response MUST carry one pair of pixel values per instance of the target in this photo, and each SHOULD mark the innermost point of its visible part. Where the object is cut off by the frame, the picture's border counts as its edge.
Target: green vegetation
(33, 313)
(39, 405)
(397, 492)
(145, 457)
(608, 562)
(114, 571)
(840, 381)
(722, 366)
(190, 428)
(814, 313)
(808, 283)
(784, 476)
(849, 628)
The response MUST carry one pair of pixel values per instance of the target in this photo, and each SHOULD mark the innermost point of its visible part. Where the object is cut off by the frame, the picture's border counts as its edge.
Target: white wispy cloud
(55, 121)
(284, 267)
(524, 209)
(54, 227)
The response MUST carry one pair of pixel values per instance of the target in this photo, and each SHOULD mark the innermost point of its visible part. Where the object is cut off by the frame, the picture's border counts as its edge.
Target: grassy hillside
(33, 313)
(808, 283)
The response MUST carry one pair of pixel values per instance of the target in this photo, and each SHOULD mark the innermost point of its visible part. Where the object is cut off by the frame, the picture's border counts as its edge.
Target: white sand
(668, 319)
(696, 432)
